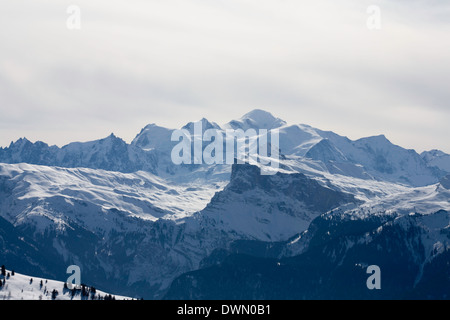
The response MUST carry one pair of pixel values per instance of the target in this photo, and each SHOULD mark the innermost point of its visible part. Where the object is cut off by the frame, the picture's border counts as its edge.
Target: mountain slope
(412, 252)
(438, 159)
(256, 119)
(270, 208)
(24, 287)
(380, 159)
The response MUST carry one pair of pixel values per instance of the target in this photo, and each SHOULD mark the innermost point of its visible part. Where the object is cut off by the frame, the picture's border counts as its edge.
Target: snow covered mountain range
(139, 225)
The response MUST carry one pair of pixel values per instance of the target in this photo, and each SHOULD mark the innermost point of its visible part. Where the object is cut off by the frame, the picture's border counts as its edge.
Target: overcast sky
(135, 62)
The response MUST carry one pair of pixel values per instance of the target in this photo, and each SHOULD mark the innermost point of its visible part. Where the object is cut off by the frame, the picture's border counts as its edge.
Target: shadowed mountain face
(270, 208)
(296, 185)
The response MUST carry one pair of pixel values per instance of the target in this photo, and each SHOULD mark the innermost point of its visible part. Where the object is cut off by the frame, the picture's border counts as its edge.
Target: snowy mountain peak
(20, 143)
(432, 154)
(152, 136)
(205, 125)
(258, 114)
(107, 141)
(113, 138)
(20, 140)
(149, 126)
(256, 119)
(379, 140)
(437, 158)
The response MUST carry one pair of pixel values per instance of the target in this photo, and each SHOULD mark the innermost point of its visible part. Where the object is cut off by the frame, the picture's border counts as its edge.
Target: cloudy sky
(135, 62)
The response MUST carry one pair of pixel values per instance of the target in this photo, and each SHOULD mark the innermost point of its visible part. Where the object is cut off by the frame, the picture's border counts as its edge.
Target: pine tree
(3, 270)
(12, 273)
(54, 294)
(92, 290)
(84, 292)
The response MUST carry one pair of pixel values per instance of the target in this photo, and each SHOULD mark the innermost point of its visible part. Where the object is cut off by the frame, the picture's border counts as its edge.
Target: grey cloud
(137, 62)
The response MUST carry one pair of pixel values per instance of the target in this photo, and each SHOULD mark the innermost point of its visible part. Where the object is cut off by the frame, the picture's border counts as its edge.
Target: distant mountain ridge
(110, 153)
(371, 158)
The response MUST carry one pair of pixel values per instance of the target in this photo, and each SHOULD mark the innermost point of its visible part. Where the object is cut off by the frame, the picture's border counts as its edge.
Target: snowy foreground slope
(139, 225)
(23, 287)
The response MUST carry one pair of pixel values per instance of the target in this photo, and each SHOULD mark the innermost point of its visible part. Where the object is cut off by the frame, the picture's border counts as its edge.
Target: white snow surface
(18, 287)
(256, 119)
(48, 195)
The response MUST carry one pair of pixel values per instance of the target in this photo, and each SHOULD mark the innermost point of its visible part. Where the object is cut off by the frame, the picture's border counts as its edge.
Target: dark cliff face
(245, 177)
